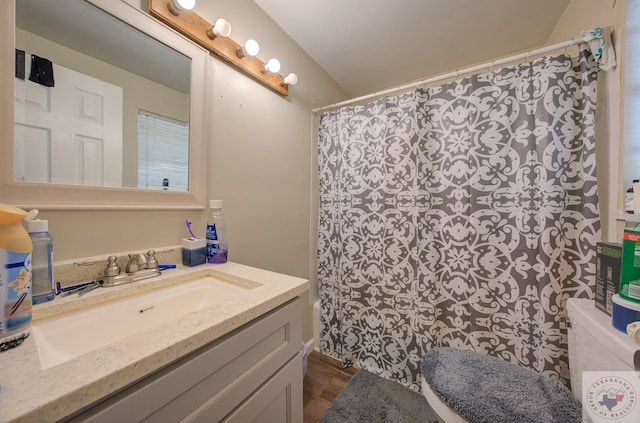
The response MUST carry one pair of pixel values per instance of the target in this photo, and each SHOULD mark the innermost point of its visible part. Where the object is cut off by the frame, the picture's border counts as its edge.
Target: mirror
(138, 76)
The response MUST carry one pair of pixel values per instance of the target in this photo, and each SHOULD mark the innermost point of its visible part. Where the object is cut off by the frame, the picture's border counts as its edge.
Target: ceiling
(371, 45)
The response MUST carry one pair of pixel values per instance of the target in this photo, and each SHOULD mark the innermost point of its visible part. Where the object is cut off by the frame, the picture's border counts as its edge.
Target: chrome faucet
(140, 266)
(136, 263)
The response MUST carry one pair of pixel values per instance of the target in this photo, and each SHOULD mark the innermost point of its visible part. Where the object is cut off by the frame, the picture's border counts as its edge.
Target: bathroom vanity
(234, 360)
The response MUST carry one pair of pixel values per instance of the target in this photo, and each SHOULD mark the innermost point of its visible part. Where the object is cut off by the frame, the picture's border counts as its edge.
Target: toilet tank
(595, 345)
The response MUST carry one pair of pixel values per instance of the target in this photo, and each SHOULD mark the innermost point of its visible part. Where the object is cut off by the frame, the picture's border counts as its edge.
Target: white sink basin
(72, 334)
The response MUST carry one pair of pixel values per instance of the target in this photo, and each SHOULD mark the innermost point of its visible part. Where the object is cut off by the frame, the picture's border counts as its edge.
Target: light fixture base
(173, 9)
(225, 48)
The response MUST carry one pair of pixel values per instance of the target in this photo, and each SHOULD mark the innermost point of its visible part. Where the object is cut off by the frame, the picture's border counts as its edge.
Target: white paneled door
(70, 133)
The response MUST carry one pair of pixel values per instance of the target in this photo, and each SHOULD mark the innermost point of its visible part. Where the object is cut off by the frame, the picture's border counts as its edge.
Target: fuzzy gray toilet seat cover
(483, 388)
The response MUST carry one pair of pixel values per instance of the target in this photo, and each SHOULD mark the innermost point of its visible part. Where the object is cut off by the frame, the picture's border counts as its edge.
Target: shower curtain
(461, 215)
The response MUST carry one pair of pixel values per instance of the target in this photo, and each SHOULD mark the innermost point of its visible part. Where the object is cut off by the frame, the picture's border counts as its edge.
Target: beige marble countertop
(30, 394)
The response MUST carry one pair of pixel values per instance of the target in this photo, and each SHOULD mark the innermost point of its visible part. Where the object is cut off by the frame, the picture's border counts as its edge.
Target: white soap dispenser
(42, 258)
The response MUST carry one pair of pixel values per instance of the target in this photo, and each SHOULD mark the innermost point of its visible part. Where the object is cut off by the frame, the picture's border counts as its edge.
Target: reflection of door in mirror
(151, 76)
(70, 133)
(117, 42)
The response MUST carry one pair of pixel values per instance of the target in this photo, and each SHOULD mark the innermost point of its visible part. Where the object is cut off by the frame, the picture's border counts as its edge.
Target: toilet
(594, 345)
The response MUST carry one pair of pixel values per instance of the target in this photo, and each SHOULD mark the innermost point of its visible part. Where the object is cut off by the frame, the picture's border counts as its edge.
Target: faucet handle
(152, 262)
(112, 268)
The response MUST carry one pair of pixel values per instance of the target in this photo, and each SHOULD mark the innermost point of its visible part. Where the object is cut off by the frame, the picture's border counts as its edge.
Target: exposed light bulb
(273, 65)
(291, 79)
(250, 48)
(222, 28)
(187, 4)
(177, 6)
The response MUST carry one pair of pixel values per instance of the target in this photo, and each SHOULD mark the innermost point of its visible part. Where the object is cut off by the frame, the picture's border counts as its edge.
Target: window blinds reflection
(163, 152)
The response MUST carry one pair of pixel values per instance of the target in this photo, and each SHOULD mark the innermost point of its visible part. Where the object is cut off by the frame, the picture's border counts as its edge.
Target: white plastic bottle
(42, 258)
(217, 247)
(629, 198)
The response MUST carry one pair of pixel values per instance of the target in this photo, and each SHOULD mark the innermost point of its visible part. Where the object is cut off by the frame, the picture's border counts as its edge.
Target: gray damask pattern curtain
(462, 215)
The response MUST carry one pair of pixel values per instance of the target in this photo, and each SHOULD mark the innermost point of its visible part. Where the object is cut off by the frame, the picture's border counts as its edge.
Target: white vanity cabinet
(253, 374)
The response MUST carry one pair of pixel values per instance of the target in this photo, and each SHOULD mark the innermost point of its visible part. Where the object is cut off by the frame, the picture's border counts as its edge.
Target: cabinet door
(215, 380)
(279, 400)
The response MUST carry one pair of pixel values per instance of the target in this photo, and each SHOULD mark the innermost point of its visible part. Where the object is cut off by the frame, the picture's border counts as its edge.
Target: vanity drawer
(215, 379)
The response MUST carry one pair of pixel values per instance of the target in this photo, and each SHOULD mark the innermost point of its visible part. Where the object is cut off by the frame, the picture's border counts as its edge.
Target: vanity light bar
(191, 25)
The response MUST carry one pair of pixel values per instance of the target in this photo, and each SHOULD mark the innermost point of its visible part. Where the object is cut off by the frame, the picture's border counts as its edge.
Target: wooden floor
(324, 380)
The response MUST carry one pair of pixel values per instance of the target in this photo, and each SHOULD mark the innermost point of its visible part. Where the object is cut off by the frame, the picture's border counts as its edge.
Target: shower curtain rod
(455, 73)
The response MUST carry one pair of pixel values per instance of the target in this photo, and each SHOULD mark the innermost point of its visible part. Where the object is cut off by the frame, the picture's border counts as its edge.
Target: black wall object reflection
(41, 71)
(19, 64)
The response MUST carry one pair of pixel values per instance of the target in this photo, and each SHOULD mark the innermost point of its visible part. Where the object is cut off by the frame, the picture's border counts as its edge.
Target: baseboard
(311, 344)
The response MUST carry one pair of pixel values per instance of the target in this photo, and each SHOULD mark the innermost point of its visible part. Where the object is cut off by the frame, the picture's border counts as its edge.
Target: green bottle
(630, 271)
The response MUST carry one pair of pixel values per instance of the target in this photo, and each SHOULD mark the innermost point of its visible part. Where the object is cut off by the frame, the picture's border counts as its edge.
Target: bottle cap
(215, 204)
(34, 225)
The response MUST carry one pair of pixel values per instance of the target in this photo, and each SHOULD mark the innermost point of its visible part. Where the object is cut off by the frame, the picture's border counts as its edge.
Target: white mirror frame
(80, 197)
